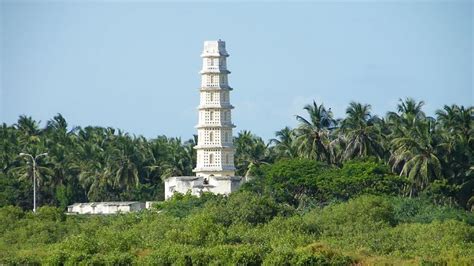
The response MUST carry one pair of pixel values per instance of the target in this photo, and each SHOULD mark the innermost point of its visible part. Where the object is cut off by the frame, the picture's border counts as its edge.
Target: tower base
(197, 185)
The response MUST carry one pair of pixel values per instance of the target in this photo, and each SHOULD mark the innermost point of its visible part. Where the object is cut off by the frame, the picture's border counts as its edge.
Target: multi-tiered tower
(215, 150)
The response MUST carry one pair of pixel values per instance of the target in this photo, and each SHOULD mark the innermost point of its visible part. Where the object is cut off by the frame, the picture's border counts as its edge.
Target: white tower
(215, 150)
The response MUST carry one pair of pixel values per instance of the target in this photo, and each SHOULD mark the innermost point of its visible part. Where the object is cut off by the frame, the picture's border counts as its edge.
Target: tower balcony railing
(224, 146)
(205, 168)
(214, 68)
(215, 106)
(214, 87)
(212, 124)
(214, 54)
(214, 71)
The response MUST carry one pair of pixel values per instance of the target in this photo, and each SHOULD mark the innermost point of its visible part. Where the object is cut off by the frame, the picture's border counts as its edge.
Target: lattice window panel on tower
(203, 97)
(223, 79)
(222, 62)
(211, 137)
(214, 80)
(226, 137)
(215, 155)
(210, 80)
(210, 117)
(212, 97)
(225, 97)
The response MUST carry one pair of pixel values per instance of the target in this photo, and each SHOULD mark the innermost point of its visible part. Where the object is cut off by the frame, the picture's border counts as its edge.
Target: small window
(211, 158)
(211, 137)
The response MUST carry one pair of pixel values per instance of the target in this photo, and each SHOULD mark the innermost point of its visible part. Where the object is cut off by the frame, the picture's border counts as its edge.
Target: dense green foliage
(357, 190)
(244, 228)
(90, 164)
(102, 164)
(302, 181)
(435, 155)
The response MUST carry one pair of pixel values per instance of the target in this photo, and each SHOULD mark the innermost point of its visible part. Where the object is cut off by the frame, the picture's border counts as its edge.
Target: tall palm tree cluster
(436, 152)
(99, 164)
(86, 164)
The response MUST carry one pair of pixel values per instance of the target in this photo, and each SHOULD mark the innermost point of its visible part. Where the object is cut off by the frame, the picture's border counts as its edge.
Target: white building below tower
(215, 170)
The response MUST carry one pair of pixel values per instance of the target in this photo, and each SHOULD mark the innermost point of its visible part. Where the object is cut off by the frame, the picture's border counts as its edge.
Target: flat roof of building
(105, 203)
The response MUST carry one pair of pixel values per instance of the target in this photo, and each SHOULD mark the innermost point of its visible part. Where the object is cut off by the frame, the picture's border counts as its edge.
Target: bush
(181, 205)
(9, 217)
(288, 180)
(420, 210)
(363, 214)
(250, 208)
(245, 229)
(50, 214)
(75, 249)
(448, 239)
(305, 183)
(314, 254)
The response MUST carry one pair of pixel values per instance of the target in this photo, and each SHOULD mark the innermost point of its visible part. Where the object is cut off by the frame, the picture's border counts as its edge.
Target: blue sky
(135, 66)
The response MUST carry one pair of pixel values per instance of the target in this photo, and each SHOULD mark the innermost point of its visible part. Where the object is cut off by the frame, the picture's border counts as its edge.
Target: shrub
(363, 214)
(75, 249)
(303, 182)
(314, 254)
(9, 217)
(181, 205)
(50, 214)
(420, 210)
(250, 208)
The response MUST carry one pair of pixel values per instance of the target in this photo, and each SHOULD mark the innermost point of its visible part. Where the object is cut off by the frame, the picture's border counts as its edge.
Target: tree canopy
(362, 189)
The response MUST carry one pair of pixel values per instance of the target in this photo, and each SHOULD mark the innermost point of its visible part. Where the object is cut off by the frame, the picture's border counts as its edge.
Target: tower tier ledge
(214, 71)
(215, 106)
(216, 88)
(219, 147)
(213, 170)
(227, 126)
(220, 54)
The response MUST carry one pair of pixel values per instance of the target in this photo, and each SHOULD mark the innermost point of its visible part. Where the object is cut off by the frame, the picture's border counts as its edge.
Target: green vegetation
(357, 190)
(244, 228)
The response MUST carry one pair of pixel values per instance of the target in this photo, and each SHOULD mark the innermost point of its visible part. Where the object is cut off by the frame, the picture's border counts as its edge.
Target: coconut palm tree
(42, 172)
(360, 132)
(456, 124)
(177, 159)
(96, 180)
(123, 162)
(458, 121)
(313, 133)
(414, 154)
(9, 147)
(191, 152)
(409, 111)
(285, 143)
(251, 152)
